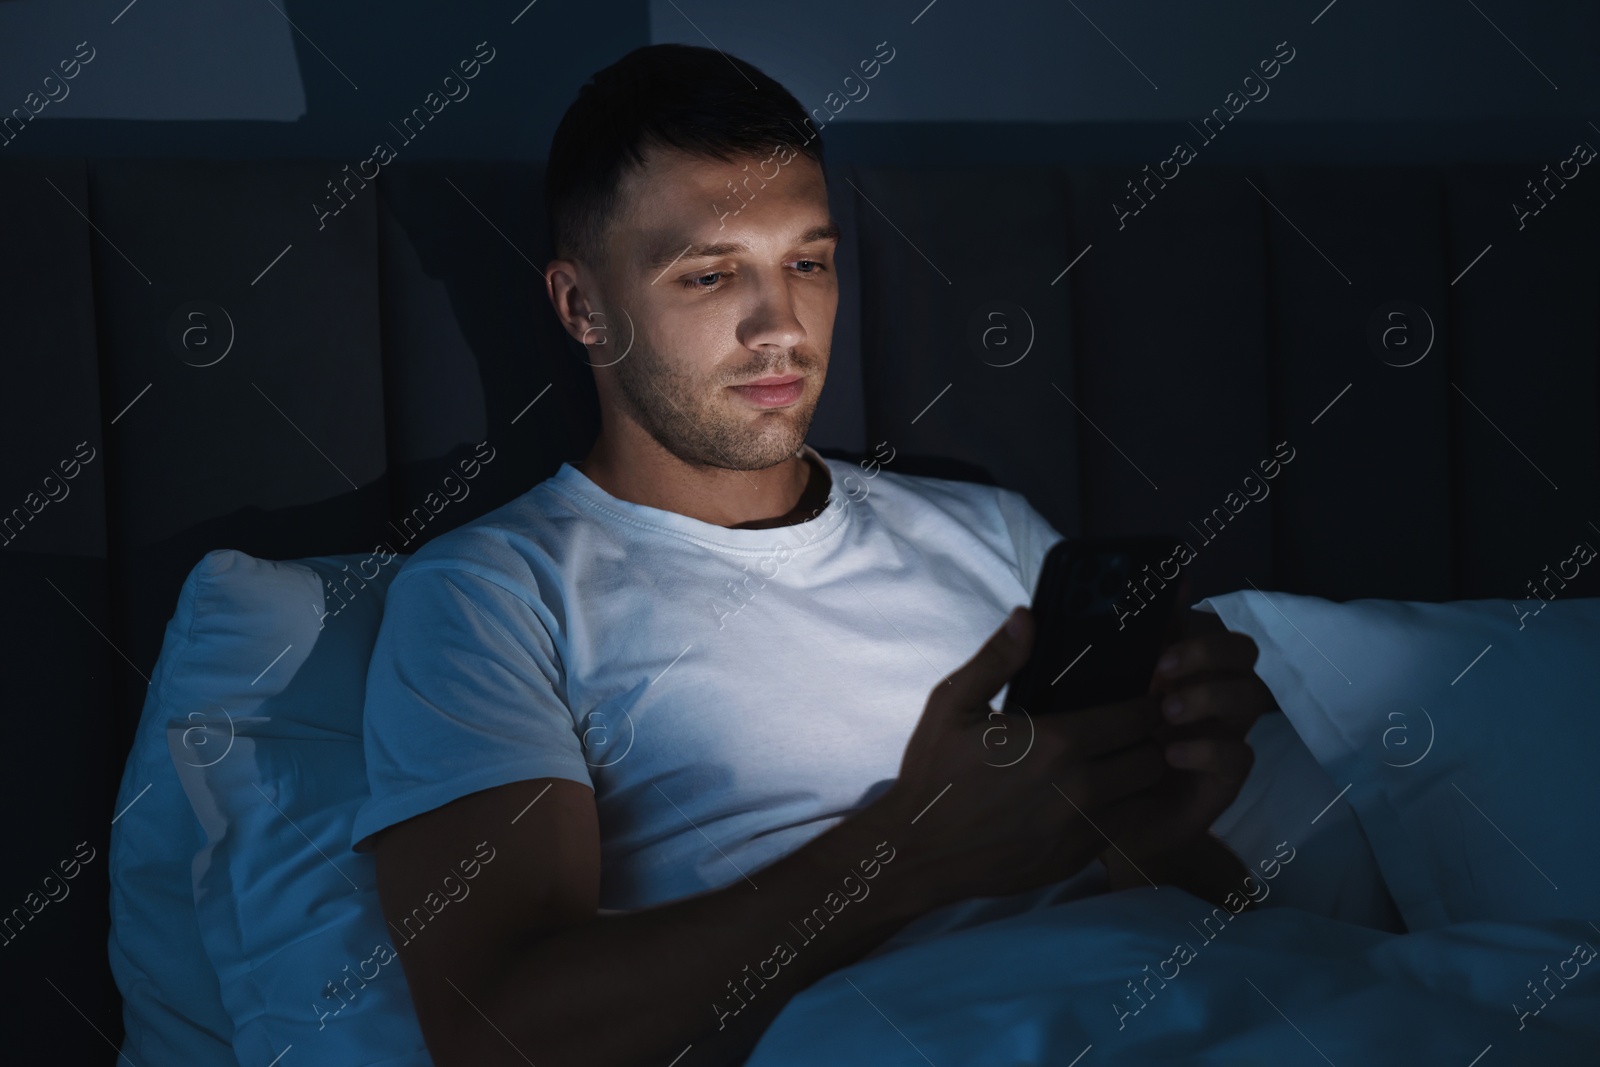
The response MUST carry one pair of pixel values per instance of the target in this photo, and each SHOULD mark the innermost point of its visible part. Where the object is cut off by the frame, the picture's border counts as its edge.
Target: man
(684, 691)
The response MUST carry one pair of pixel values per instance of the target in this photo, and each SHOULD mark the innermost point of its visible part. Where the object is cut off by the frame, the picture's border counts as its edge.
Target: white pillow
(264, 697)
(1466, 733)
(1334, 872)
(172, 1010)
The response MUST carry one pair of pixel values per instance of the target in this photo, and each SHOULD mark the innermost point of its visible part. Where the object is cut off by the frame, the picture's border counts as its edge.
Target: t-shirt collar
(578, 486)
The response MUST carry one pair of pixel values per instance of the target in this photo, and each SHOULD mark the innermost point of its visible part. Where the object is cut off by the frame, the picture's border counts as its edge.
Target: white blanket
(1082, 984)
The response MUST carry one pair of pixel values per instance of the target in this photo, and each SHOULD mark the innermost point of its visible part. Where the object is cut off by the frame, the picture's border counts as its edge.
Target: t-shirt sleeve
(1031, 535)
(463, 694)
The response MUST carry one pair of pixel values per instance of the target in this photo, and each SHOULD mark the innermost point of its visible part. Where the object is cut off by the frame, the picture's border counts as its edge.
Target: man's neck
(812, 499)
(797, 488)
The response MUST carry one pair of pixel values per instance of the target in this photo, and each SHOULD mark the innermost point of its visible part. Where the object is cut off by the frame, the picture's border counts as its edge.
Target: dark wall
(1021, 81)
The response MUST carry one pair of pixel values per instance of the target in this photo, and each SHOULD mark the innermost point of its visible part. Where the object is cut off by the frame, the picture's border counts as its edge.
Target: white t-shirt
(728, 694)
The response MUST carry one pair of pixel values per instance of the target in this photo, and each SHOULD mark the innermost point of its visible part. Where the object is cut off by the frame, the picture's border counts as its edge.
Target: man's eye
(715, 276)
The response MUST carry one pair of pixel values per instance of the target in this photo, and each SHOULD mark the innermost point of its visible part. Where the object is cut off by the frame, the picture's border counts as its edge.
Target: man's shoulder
(509, 545)
(1001, 517)
(957, 489)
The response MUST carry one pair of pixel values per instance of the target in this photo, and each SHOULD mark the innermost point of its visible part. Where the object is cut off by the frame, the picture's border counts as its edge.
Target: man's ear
(561, 287)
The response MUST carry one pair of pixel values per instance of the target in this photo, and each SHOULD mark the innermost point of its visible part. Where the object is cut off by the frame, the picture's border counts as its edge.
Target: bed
(1420, 825)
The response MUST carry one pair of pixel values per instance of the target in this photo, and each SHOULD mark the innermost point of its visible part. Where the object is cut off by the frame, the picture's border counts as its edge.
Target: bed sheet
(1157, 976)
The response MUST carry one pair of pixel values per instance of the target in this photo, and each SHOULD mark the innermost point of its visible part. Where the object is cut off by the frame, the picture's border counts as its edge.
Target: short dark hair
(695, 99)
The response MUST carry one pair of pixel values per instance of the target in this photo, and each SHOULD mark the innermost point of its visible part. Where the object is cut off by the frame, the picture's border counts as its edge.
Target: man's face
(716, 300)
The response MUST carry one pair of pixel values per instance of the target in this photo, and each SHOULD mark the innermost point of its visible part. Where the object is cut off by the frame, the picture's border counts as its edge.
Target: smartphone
(1101, 611)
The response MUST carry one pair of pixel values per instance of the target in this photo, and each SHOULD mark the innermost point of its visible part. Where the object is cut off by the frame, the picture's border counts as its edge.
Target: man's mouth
(773, 391)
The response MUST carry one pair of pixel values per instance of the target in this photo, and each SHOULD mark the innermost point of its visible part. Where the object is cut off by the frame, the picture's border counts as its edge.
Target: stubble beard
(703, 424)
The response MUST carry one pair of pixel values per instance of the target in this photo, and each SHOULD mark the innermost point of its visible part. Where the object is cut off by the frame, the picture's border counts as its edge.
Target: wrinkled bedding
(1156, 976)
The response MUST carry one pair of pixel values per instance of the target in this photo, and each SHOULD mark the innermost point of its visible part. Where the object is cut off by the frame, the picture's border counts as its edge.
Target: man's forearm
(709, 972)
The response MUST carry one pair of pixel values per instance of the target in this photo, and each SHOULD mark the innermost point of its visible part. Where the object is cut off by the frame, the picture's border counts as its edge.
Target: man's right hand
(978, 821)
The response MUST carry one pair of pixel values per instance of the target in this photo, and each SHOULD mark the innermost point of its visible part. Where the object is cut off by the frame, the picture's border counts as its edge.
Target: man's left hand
(1212, 698)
